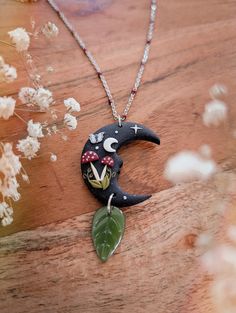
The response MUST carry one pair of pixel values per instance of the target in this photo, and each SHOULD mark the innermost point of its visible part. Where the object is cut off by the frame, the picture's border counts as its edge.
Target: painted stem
(103, 172)
(95, 172)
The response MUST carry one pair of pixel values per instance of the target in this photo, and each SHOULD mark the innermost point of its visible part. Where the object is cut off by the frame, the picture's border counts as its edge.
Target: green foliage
(107, 231)
(100, 184)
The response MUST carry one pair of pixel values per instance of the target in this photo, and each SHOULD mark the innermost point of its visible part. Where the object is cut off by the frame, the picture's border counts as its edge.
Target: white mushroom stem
(103, 172)
(95, 172)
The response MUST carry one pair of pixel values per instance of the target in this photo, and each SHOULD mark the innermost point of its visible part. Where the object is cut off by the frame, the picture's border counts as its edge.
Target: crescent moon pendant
(100, 166)
(100, 163)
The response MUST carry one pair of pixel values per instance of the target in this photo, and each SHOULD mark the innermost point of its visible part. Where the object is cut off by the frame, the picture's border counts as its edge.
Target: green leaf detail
(107, 231)
(95, 184)
(105, 182)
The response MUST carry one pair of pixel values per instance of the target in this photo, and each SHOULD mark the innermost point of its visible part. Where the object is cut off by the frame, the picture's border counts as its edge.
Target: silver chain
(94, 63)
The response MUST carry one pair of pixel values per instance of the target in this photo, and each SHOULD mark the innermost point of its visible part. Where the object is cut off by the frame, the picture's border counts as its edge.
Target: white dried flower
(10, 73)
(10, 163)
(220, 262)
(224, 294)
(54, 129)
(29, 147)
(53, 157)
(11, 189)
(10, 166)
(50, 69)
(35, 129)
(6, 213)
(7, 220)
(25, 178)
(70, 121)
(187, 166)
(20, 38)
(43, 98)
(64, 137)
(7, 73)
(7, 107)
(50, 30)
(218, 90)
(40, 97)
(72, 105)
(26, 95)
(204, 240)
(215, 113)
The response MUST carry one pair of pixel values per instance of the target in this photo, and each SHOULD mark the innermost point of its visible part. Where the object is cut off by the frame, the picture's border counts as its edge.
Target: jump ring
(109, 203)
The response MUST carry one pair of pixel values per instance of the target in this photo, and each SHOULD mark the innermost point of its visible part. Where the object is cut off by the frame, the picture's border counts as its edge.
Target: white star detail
(135, 128)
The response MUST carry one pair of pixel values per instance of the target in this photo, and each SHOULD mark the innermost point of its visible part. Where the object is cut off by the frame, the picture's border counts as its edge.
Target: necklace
(100, 163)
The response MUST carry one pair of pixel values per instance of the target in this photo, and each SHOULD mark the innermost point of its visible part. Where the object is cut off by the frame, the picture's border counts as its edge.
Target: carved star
(136, 128)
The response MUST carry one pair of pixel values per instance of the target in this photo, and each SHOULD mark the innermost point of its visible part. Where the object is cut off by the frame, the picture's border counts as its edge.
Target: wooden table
(47, 261)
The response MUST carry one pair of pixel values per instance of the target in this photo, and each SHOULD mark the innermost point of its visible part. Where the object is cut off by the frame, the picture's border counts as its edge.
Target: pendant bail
(120, 121)
(109, 203)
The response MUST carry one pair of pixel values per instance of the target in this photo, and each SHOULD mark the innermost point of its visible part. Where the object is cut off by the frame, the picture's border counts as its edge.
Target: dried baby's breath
(33, 98)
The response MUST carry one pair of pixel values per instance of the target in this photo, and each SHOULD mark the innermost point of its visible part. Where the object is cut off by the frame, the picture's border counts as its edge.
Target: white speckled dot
(97, 147)
(125, 198)
(116, 132)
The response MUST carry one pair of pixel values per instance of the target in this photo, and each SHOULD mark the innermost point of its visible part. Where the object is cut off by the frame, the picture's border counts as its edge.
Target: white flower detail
(50, 69)
(7, 107)
(53, 157)
(10, 190)
(40, 97)
(43, 98)
(50, 30)
(6, 213)
(218, 90)
(25, 177)
(11, 159)
(70, 121)
(187, 166)
(35, 129)
(29, 147)
(26, 95)
(220, 262)
(7, 73)
(20, 38)
(72, 105)
(10, 73)
(215, 113)
(10, 166)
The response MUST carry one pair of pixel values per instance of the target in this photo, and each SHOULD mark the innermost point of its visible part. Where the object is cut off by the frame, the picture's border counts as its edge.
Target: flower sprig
(36, 99)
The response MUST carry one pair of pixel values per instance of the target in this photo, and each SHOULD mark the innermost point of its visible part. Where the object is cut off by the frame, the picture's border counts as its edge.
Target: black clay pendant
(100, 165)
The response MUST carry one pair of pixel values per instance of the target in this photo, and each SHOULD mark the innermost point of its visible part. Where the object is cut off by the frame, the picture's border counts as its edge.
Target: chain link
(94, 63)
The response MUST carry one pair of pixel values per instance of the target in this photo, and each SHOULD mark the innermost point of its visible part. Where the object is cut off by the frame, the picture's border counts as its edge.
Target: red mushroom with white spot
(108, 162)
(89, 157)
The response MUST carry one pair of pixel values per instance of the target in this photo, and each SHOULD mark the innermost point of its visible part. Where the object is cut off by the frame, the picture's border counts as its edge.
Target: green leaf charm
(107, 231)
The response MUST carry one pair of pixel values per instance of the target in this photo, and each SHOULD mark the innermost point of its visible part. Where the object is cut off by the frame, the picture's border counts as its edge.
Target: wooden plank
(155, 269)
(47, 260)
(190, 52)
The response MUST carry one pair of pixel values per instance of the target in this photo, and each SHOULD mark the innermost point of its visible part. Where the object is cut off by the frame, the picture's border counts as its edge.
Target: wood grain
(54, 267)
(46, 257)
